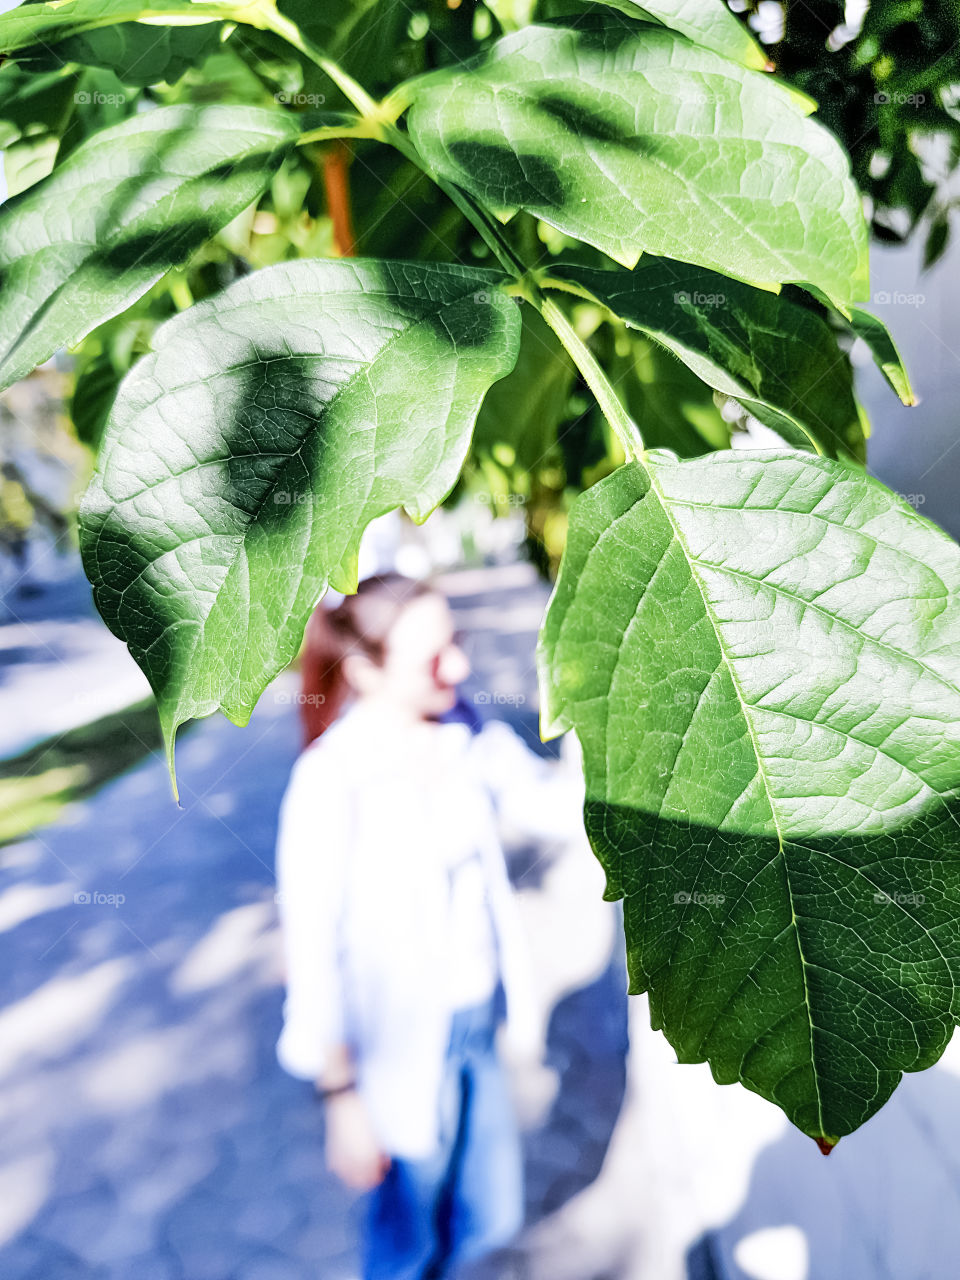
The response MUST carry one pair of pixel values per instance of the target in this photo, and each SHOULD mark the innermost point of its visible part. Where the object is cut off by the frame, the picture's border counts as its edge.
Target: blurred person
(403, 942)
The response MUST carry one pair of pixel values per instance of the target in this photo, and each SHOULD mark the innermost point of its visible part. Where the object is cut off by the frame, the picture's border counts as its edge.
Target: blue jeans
(429, 1215)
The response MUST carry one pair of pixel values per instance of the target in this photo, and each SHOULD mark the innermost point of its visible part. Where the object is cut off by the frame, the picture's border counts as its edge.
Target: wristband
(324, 1094)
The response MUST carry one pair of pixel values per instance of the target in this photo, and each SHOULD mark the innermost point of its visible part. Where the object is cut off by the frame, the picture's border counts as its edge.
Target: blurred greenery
(887, 87)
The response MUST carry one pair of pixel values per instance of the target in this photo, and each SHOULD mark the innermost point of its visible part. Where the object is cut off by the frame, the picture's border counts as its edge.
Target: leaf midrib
(761, 771)
(826, 613)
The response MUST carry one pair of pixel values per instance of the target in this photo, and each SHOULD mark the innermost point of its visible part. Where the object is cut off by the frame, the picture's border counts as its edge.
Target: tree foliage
(322, 260)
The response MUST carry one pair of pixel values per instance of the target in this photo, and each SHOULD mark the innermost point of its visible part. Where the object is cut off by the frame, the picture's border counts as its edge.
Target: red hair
(360, 624)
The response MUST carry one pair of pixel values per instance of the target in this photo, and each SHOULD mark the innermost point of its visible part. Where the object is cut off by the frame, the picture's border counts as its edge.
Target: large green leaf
(778, 358)
(31, 24)
(635, 140)
(127, 205)
(244, 458)
(707, 22)
(760, 654)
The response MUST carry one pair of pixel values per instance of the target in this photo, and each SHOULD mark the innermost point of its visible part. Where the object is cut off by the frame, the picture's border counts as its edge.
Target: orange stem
(336, 182)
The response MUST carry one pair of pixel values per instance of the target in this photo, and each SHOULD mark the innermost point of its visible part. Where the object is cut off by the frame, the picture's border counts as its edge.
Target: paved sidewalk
(59, 665)
(147, 1132)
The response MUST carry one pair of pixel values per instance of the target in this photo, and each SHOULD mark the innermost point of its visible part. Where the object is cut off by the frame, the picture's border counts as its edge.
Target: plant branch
(598, 382)
(380, 119)
(328, 132)
(336, 184)
(355, 93)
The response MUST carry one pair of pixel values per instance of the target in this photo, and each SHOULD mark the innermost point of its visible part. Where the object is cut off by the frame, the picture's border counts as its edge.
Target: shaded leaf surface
(760, 654)
(885, 353)
(32, 104)
(523, 409)
(244, 458)
(125, 207)
(676, 410)
(634, 140)
(779, 359)
(139, 54)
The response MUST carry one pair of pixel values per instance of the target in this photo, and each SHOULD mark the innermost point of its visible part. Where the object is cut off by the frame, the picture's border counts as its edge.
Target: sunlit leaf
(760, 654)
(634, 140)
(31, 24)
(126, 206)
(245, 457)
(707, 22)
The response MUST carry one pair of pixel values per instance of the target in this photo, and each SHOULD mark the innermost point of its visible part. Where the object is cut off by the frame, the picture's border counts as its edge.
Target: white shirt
(380, 945)
(474, 965)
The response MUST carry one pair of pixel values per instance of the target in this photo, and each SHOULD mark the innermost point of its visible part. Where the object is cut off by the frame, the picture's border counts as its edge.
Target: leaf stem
(328, 132)
(355, 93)
(598, 382)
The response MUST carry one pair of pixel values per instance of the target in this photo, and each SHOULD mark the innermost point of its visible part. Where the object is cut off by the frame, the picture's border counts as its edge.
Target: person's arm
(352, 1150)
(535, 798)
(311, 863)
(312, 853)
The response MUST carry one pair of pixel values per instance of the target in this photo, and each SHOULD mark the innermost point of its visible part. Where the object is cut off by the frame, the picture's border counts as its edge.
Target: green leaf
(100, 102)
(760, 654)
(884, 351)
(31, 24)
(779, 359)
(634, 140)
(245, 457)
(706, 22)
(138, 53)
(28, 161)
(127, 205)
(32, 104)
(937, 239)
(33, 112)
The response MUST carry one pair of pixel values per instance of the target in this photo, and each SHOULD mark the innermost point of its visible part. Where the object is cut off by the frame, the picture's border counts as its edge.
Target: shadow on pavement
(885, 1205)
